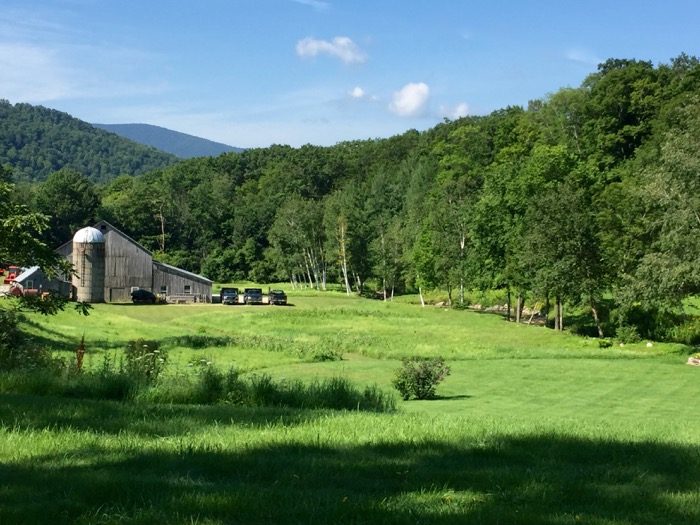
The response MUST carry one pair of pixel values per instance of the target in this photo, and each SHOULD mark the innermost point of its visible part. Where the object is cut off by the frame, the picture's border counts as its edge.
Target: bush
(419, 377)
(16, 350)
(211, 386)
(145, 360)
(628, 334)
(650, 322)
(319, 354)
(687, 333)
(197, 342)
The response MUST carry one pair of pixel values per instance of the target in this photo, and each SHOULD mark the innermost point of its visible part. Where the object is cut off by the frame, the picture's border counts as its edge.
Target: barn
(109, 265)
(33, 280)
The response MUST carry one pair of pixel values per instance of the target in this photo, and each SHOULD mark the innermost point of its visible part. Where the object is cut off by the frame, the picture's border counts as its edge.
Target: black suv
(229, 295)
(277, 297)
(252, 296)
(142, 296)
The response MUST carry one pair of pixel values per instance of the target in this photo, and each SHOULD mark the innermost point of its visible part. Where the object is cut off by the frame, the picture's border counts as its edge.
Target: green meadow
(531, 427)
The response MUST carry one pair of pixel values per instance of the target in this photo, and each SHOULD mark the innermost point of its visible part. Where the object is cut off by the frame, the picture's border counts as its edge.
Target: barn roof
(116, 230)
(26, 273)
(182, 272)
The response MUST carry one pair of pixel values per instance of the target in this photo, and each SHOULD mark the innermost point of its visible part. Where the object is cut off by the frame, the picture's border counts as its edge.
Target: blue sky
(256, 72)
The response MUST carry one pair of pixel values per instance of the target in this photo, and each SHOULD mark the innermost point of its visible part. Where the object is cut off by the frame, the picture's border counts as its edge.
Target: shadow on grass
(539, 479)
(450, 398)
(45, 337)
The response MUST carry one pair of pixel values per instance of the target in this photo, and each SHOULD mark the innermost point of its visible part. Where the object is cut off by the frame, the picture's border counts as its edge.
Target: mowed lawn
(531, 427)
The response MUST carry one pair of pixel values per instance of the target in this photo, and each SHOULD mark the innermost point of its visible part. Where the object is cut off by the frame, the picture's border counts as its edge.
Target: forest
(586, 199)
(36, 141)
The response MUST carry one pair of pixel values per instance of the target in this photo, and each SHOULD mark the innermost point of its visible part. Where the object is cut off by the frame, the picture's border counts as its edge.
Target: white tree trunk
(342, 240)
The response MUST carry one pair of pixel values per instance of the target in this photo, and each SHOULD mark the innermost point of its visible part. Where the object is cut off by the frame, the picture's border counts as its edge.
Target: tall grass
(209, 386)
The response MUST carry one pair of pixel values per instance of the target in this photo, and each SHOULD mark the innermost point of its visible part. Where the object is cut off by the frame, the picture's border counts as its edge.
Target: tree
(72, 202)
(345, 242)
(561, 243)
(462, 159)
(21, 244)
(668, 271)
(297, 237)
(624, 98)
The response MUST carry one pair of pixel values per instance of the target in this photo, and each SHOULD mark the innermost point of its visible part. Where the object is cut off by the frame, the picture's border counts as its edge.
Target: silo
(89, 265)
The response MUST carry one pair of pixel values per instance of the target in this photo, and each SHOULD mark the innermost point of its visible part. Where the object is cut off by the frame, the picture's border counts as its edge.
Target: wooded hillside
(36, 141)
(587, 197)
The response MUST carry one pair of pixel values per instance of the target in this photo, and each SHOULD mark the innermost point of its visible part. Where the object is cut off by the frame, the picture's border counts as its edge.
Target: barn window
(188, 288)
(164, 289)
(30, 284)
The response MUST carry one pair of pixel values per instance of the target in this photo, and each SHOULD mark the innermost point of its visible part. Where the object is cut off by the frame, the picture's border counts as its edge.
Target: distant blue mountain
(180, 144)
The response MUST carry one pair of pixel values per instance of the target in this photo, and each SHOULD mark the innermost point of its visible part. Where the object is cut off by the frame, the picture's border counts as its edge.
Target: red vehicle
(10, 274)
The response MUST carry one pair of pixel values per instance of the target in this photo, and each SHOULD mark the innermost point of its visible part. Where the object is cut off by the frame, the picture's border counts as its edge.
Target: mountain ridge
(182, 145)
(36, 141)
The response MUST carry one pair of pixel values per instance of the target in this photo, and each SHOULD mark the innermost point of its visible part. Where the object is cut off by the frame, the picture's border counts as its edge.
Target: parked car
(252, 296)
(229, 295)
(142, 296)
(277, 297)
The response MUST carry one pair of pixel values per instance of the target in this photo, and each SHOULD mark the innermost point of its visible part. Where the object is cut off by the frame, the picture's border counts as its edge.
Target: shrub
(650, 322)
(211, 385)
(627, 334)
(145, 360)
(18, 351)
(320, 354)
(687, 333)
(199, 341)
(262, 391)
(419, 377)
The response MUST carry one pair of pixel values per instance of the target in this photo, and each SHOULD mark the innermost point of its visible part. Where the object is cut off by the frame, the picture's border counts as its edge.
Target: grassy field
(531, 427)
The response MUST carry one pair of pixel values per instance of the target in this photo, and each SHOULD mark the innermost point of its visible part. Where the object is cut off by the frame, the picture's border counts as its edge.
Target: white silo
(89, 265)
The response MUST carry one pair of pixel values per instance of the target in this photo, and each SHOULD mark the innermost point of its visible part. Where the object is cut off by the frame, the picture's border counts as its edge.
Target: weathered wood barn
(110, 265)
(34, 279)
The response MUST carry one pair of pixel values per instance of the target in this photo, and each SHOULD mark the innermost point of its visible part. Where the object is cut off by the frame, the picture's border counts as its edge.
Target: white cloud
(582, 56)
(453, 113)
(410, 100)
(340, 47)
(357, 92)
(319, 5)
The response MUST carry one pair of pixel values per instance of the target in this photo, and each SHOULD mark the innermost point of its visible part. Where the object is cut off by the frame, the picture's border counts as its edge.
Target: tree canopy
(587, 193)
(37, 141)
